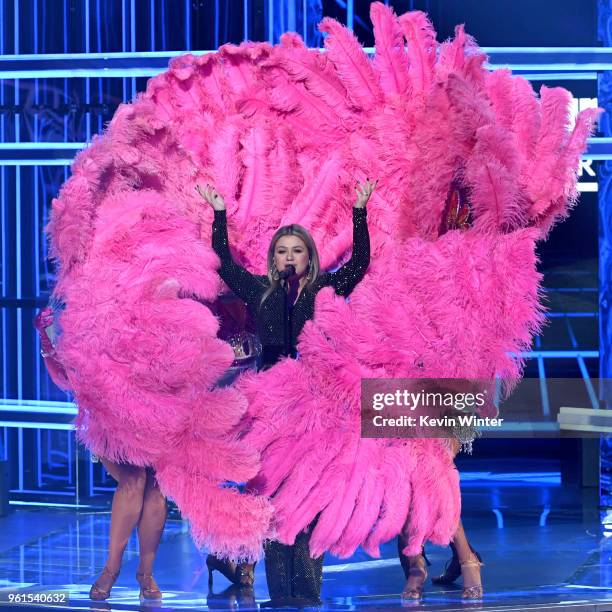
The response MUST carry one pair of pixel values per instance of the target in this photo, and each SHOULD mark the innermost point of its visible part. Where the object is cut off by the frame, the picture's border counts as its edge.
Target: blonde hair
(313, 255)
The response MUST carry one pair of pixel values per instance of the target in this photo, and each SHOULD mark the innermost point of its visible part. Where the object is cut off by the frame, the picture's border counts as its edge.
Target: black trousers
(291, 572)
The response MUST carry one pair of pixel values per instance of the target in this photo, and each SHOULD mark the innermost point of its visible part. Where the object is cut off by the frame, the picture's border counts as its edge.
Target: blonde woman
(281, 302)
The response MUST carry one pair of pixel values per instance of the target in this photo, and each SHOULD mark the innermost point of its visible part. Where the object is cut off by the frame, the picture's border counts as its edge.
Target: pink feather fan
(284, 132)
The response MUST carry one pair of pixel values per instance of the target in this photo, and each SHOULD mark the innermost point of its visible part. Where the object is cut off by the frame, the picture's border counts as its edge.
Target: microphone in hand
(287, 272)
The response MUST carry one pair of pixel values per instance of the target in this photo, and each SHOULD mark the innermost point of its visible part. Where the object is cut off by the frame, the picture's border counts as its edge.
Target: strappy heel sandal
(99, 594)
(148, 587)
(417, 574)
(475, 591)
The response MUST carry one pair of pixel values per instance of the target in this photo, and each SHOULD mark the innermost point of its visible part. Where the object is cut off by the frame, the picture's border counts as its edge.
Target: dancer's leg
(404, 559)
(470, 565)
(125, 513)
(415, 571)
(150, 529)
(151, 524)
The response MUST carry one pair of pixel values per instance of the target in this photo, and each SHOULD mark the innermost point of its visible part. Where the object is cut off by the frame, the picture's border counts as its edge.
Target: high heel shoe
(241, 574)
(417, 574)
(148, 586)
(96, 592)
(475, 591)
(452, 569)
(225, 567)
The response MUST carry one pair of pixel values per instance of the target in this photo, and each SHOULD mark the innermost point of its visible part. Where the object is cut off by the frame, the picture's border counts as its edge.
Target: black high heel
(225, 567)
(240, 574)
(452, 569)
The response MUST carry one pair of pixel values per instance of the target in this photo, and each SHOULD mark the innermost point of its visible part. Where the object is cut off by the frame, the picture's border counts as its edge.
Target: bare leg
(415, 571)
(125, 513)
(151, 525)
(469, 562)
(470, 566)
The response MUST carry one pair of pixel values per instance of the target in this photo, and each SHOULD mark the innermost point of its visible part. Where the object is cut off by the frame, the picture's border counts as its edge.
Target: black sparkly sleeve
(245, 285)
(346, 278)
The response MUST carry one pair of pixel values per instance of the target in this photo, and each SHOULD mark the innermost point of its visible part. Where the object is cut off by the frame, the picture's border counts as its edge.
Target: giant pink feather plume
(391, 61)
(352, 66)
(284, 132)
(422, 49)
(314, 70)
(453, 53)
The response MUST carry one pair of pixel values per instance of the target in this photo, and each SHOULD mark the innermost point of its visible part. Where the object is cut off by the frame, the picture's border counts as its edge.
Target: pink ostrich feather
(352, 64)
(453, 53)
(391, 60)
(566, 169)
(491, 173)
(422, 48)
(315, 71)
(284, 133)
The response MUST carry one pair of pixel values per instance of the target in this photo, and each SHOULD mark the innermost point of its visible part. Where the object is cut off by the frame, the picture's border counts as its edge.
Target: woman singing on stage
(281, 302)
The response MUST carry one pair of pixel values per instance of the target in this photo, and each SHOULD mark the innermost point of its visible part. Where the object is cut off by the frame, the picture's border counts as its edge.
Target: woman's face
(291, 251)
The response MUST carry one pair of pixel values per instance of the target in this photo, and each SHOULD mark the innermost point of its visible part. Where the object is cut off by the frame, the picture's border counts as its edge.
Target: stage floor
(543, 547)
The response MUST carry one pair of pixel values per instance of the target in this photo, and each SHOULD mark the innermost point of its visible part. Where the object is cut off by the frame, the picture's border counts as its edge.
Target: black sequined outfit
(279, 324)
(292, 575)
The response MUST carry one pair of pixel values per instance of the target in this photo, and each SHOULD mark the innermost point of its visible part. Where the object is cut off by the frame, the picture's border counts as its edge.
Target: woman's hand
(211, 195)
(364, 191)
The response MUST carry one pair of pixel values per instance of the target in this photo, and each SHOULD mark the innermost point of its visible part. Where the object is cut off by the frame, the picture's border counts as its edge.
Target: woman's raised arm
(346, 278)
(244, 284)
